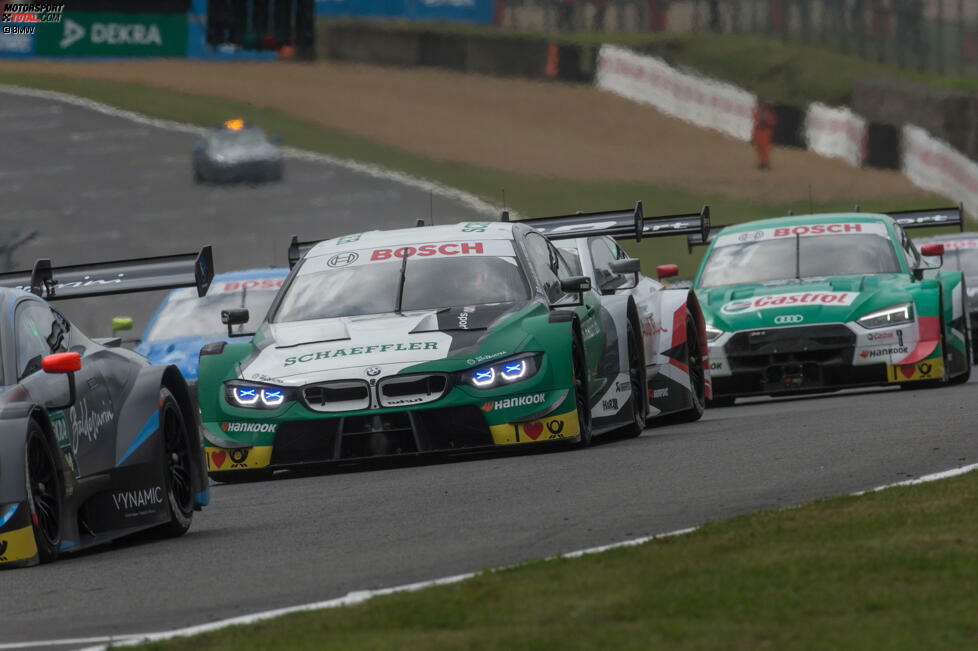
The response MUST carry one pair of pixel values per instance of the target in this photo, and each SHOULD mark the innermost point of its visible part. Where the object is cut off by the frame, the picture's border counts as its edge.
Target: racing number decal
(928, 369)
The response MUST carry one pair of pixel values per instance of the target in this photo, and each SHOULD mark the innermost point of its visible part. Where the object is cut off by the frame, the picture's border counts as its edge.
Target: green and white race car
(453, 338)
(822, 302)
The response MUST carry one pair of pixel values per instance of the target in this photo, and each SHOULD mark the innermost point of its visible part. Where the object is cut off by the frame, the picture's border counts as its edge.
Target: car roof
(245, 274)
(947, 238)
(815, 218)
(462, 231)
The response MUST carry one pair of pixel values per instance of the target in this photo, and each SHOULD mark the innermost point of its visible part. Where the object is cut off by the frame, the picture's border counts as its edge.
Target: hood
(307, 351)
(822, 300)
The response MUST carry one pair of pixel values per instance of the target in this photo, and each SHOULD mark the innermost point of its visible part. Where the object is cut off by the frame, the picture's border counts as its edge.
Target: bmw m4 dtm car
(816, 302)
(95, 443)
(431, 339)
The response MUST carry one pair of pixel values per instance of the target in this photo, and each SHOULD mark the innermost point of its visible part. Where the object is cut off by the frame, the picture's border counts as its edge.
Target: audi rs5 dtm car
(960, 253)
(440, 338)
(185, 322)
(237, 151)
(95, 443)
(816, 302)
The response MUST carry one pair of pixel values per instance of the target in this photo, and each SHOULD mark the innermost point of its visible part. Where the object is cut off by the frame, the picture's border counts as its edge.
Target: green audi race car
(435, 339)
(822, 302)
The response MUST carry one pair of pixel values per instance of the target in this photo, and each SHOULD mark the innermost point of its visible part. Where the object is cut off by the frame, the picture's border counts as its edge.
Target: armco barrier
(935, 165)
(702, 101)
(836, 133)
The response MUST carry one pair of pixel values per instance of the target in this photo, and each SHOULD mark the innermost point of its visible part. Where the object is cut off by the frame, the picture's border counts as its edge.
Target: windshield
(226, 138)
(783, 254)
(186, 315)
(371, 286)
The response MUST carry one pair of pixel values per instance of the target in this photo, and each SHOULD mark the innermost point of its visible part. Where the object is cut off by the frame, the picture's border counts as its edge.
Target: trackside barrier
(836, 133)
(934, 165)
(702, 101)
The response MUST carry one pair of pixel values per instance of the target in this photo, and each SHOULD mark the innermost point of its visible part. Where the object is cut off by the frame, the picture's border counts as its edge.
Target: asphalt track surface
(309, 537)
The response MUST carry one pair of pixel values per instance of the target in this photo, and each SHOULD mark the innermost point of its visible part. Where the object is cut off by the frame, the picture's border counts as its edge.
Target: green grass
(529, 195)
(783, 72)
(889, 570)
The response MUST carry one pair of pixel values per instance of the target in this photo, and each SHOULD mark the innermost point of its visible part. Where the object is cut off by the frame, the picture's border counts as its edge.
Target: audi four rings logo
(788, 318)
(343, 259)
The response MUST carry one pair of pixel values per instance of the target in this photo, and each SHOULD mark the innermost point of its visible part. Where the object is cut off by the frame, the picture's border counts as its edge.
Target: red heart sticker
(907, 370)
(218, 458)
(533, 430)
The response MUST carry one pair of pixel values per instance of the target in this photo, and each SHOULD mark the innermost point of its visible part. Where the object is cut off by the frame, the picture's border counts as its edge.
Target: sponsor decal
(254, 428)
(238, 285)
(783, 319)
(515, 401)
(590, 328)
(483, 358)
(650, 327)
(786, 300)
(428, 250)
(561, 426)
(818, 229)
(463, 320)
(622, 387)
(62, 436)
(347, 239)
(884, 352)
(129, 501)
(87, 422)
(928, 369)
(878, 336)
(3, 550)
(17, 545)
(716, 366)
(360, 350)
(473, 227)
(343, 259)
(661, 393)
(611, 404)
(469, 308)
(237, 458)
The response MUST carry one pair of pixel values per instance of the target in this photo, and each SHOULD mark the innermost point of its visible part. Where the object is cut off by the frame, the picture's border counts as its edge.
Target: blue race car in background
(184, 323)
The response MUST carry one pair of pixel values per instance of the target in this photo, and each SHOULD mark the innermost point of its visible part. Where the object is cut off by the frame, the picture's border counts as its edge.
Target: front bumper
(299, 436)
(822, 357)
(17, 545)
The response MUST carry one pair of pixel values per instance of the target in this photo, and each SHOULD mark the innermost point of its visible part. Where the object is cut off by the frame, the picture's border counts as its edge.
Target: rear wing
(622, 224)
(953, 216)
(298, 249)
(117, 277)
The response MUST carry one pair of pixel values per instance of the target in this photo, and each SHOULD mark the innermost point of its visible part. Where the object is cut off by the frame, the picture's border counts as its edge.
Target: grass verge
(529, 195)
(894, 569)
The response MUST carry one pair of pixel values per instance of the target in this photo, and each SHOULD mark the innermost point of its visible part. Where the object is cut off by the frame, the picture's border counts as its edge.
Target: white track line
(923, 479)
(376, 171)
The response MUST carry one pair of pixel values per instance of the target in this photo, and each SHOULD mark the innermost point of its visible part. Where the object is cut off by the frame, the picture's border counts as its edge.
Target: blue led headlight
(508, 371)
(256, 395)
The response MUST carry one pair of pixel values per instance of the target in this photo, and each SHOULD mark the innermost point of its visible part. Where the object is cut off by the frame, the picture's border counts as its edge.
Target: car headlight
(712, 334)
(255, 395)
(508, 371)
(889, 316)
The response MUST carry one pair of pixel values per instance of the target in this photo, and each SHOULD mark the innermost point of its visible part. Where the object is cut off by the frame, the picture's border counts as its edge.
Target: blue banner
(456, 11)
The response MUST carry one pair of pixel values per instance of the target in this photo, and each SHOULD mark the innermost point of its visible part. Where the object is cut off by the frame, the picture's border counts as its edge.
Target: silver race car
(237, 152)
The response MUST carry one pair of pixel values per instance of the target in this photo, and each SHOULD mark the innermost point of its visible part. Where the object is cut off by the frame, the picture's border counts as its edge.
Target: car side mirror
(575, 285)
(233, 317)
(667, 271)
(68, 364)
(620, 268)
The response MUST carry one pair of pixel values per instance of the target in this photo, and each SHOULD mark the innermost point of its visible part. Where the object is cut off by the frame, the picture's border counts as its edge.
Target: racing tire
(43, 493)
(177, 467)
(697, 379)
(637, 378)
(581, 395)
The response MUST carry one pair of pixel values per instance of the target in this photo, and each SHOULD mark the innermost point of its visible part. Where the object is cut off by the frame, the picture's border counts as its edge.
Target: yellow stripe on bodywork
(551, 428)
(17, 545)
(221, 459)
